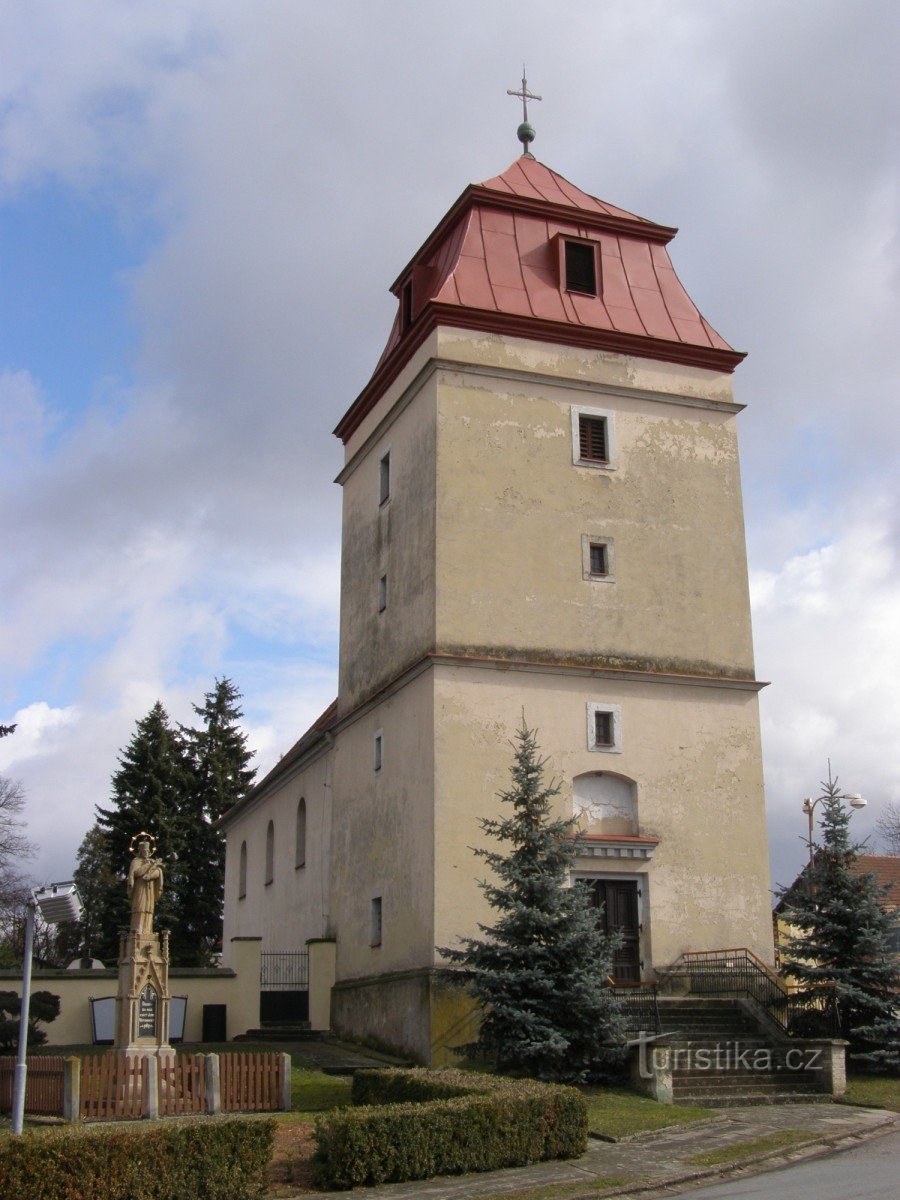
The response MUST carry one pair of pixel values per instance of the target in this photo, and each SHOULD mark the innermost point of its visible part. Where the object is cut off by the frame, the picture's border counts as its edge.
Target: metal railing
(640, 1007)
(738, 972)
(284, 971)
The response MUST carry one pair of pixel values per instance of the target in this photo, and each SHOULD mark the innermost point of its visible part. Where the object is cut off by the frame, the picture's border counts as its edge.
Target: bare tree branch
(888, 829)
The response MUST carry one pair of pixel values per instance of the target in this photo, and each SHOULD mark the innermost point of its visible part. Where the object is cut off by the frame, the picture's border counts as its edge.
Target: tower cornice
(556, 332)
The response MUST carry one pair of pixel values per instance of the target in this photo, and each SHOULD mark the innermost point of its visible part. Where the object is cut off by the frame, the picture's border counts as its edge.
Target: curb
(771, 1159)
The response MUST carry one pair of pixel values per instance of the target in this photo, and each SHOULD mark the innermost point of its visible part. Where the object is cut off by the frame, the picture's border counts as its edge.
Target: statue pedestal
(142, 1002)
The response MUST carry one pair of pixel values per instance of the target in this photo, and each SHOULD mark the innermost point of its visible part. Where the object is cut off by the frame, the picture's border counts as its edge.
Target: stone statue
(145, 884)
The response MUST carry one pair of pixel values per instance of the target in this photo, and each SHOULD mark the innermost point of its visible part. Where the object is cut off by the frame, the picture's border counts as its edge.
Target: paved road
(867, 1172)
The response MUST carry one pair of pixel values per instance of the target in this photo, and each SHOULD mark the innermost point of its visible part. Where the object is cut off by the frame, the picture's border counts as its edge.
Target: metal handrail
(640, 1006)
(739, 971)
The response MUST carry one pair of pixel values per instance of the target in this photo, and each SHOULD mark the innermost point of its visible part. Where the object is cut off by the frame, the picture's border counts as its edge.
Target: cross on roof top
(524, 95)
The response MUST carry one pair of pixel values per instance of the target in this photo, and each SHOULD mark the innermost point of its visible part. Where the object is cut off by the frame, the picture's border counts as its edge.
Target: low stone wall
(389, 1012)
(235, 985)
(420, 1015)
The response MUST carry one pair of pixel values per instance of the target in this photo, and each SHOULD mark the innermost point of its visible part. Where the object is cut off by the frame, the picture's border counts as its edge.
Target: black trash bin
(214, 1022)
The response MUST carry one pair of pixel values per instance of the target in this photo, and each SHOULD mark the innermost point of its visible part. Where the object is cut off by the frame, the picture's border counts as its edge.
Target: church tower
(541, 515)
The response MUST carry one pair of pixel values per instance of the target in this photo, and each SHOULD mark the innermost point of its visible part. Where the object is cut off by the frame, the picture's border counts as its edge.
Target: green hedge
(445, 1123)
(216, 1159)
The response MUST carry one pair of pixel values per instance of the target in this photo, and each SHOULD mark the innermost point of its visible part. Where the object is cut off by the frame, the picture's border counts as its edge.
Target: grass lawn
(618, 1113)
(873, 1091)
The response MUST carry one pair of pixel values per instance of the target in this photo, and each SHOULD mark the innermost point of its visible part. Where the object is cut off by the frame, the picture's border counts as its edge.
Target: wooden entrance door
(619, 899)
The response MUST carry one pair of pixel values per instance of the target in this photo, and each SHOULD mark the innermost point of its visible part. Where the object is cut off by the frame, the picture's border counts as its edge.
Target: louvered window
(581, 269)
(592, 439)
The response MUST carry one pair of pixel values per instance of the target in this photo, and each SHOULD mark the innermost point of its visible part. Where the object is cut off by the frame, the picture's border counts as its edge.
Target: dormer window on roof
(579, 266)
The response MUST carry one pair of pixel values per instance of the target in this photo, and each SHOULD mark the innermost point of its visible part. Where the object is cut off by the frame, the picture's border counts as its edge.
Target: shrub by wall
(415, 1124)
(216, 1159)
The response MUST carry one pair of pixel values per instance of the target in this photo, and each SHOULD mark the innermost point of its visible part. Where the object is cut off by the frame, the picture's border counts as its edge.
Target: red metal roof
(493, 264)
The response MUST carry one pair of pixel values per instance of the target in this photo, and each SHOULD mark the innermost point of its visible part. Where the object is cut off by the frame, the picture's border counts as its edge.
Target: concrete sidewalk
(652, 1161)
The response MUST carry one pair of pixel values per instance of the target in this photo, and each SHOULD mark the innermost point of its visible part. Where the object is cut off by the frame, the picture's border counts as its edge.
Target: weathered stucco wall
(694, 754)
(394, 540)
(389, 1013)
(295, 905)
(383, 835)
(512, 509)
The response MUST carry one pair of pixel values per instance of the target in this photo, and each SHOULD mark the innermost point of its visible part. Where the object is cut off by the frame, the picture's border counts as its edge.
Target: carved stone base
(142, 1001)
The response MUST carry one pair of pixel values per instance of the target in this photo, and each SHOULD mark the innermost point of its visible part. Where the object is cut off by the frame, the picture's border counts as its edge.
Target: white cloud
(827, 628)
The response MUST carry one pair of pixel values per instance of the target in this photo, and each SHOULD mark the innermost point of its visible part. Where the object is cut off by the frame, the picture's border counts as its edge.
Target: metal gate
(284, 986)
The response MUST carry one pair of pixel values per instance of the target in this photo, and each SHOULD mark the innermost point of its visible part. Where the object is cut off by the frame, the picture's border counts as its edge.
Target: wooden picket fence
(113, 1089)
(251, 1082)
(43, 1085)
(182, 1087)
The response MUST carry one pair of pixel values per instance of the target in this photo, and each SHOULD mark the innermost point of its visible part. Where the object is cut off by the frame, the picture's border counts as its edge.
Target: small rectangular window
(592, 441)
(603, 729)
(598, 558)
(378, 756)
(581, 268)
(382, 593)
(375, 921)
(594, 438)
(384, 478)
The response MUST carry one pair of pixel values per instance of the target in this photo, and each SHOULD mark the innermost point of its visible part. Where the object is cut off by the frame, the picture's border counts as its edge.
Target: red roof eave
(558, 332)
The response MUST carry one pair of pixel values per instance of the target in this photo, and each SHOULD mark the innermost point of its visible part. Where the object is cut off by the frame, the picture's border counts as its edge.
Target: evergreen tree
(540, 973)
(148, 794)
(220, 774)
(842, 943)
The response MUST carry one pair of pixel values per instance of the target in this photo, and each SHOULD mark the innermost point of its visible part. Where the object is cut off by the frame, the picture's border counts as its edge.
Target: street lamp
(854, 799)
(58, 902)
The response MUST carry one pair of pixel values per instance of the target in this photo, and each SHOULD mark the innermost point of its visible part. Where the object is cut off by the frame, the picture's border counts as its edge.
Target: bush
(43, 1006)
(215, 1159)
(444, 1123)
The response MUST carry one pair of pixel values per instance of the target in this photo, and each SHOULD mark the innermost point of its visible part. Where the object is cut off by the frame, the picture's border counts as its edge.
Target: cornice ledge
(564, 667)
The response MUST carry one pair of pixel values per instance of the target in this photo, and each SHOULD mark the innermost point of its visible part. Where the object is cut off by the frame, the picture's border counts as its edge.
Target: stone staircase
(280, 1031)
(720, 1054)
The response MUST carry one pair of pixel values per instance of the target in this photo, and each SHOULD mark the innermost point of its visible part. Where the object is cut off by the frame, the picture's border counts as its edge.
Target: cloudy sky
(202, 204)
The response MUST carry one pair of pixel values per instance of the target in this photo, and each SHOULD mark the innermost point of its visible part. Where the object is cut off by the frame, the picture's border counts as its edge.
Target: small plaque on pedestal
(148, 1012)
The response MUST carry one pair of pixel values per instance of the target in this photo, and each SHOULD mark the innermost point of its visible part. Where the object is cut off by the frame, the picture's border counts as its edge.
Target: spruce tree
(148, 794)
(541, 971)
(841, 946)
(218, 762)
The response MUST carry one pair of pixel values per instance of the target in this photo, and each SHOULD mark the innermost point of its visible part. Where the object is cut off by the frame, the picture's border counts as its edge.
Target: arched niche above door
(605, 803)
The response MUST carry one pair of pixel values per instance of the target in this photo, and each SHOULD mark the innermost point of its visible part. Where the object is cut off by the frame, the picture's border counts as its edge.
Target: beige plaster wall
(295, 906)
(512, 509)
(394, 539)
(695, 756)
(383, 837)
(237, 987)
